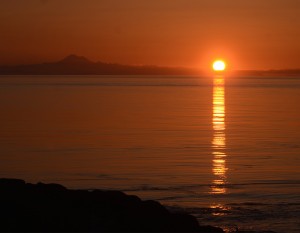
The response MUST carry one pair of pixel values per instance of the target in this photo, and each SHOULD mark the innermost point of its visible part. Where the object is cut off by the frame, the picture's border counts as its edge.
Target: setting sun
(219, 65)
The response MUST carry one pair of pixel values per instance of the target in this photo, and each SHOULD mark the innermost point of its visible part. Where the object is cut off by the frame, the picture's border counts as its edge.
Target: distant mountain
(79, 65)
(74, 59)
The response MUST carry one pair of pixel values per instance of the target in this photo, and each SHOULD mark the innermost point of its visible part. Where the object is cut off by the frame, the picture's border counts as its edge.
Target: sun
(219, 65)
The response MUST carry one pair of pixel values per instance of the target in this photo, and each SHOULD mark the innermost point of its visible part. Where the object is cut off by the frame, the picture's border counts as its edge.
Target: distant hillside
(78, 65)
(269, 73)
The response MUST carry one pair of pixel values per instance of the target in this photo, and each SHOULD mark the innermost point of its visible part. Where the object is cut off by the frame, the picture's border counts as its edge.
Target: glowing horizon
(163, 33)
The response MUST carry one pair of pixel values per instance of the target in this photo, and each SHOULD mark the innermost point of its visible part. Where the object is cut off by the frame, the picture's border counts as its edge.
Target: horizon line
(148, 65)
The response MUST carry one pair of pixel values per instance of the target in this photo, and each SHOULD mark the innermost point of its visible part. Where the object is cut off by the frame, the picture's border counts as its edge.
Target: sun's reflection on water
(219, 139)
(219, 209)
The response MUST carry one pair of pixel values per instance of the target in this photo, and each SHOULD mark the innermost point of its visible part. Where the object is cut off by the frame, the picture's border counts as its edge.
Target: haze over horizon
(75, 59)
(250, 35)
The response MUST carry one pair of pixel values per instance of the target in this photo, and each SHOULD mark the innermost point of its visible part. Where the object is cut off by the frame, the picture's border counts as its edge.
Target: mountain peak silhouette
(80, 65)
(74, 59)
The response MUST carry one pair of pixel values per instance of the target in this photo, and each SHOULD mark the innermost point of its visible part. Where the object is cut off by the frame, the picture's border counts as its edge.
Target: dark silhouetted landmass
(52, 207)
(78, 65)
(269, 73)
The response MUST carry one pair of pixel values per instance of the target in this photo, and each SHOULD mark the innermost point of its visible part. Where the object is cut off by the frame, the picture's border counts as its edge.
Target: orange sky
(250, 34)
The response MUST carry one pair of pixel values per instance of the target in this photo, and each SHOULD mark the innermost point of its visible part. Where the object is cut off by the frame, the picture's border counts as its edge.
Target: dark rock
(52, 207)
(11, 183)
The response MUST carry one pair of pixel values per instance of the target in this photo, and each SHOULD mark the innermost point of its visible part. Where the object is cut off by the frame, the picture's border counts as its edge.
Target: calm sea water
(226, 149)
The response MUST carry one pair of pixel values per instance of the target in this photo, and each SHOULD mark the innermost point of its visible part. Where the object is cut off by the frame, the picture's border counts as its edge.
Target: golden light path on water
(219, 138)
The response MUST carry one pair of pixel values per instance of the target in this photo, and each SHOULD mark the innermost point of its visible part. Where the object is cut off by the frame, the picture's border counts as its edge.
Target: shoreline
(52, 207)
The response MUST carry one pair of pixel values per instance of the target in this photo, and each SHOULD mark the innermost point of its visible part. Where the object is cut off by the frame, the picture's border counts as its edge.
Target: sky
(248, 34)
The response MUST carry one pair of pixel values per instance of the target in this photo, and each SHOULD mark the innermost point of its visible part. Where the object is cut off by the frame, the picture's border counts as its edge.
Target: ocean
(223, 148)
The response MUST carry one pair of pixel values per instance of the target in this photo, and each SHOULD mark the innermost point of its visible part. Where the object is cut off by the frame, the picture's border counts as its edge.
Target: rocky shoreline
(53, 208)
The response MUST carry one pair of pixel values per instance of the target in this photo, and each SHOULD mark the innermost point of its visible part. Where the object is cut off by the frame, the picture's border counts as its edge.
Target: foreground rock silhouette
(52, 207)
